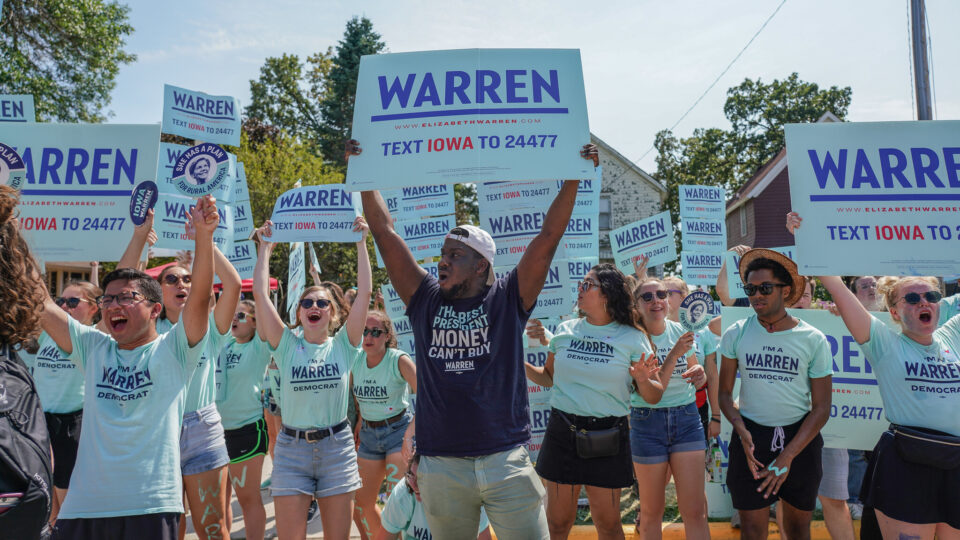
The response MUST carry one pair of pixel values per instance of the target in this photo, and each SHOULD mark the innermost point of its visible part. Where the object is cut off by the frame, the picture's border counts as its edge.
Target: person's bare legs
(896, 529)
(796, 522)
(561, 508)
(335, 513)
(291, 516)
(836, 515)
(245, 479)
(366, 514)
(273, 428)
(688, 477)
(650, 482)
(605, 511)
(754, 524)
(207, 497)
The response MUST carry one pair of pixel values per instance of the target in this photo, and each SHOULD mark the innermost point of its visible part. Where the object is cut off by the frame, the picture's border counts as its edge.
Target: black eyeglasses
(70, 303)
(648, 296)
(765, 288)
(375, 332)
(913, 298)
(241, 316)
(587, 284)
(307, 303)
(122, 299)
(173, 279)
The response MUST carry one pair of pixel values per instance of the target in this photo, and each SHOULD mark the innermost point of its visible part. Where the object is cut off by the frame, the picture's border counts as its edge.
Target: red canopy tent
(245, 286)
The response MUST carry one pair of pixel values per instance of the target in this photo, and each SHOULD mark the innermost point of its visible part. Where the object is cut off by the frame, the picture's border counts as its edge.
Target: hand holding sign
(351, 147)
(793, 222)
(683, 345)
(640, 266)
(360, 226)
(589, 151)
(205, 216)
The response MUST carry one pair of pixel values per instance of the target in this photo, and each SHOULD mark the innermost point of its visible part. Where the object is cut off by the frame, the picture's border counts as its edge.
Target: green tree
(65, 53)
(757, 112)
(468, 207)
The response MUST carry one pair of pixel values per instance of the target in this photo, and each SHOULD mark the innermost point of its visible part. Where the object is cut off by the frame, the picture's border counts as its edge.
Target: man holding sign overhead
(472, 408)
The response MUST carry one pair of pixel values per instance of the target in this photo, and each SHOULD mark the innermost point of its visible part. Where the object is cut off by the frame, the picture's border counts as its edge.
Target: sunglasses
(375, 332)
(913, 298)
(240, 316)
(765, 288)
(648, 296)
(69, 302)
(122, 299)
(307, 303)
(173, 279)
(676, 291)
(587, 284)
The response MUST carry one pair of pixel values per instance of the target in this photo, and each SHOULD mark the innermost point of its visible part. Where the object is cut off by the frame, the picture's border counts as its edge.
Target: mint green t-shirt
(706, 344)
(203, 386)
(128, 462)
(403, 514)
(314, 379)
(678, 392)
(381, 391)
(591, 367)
(242, 367)
(164, 326)
(919, 384)
(59, 381)
(949, 307)
(776, 368)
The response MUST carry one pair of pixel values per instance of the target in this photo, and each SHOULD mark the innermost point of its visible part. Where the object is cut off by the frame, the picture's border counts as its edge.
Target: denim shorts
(202, 446)
(655, 433)
(318, 469)
(377, 442)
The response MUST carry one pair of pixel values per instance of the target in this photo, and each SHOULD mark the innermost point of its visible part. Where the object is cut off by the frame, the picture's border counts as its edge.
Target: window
(743, 220)
(604, 219)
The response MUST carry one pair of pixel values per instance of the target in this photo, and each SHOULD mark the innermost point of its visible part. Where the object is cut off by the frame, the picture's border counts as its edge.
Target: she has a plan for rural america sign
(200, 116)
(316, 214)
(877, 198)
(79, 177)
(470, 115)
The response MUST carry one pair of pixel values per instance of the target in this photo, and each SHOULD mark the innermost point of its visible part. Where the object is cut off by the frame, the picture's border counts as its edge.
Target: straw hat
(798, 283)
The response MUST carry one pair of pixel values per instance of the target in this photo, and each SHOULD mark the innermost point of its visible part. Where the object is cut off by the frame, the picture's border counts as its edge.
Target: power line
(716, 80)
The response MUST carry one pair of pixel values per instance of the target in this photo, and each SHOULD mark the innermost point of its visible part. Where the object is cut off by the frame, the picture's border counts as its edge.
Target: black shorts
(64, 430)
(803, 478)
(247, 441)
(558, 460)
(142, 527)
(910, 492)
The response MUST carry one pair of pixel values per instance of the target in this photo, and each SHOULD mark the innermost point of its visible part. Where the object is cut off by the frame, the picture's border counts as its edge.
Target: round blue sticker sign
(144, 198)
(202, 169)
(12, 169)
(696, 310)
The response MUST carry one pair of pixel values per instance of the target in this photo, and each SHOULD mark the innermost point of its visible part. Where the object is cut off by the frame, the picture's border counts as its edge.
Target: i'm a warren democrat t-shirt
(776, 368)
(678, 391)
(381, 391)
(202, 390)
(403, 514)
(128, 462)
(59, 381)
(919, 384)
(471, 385)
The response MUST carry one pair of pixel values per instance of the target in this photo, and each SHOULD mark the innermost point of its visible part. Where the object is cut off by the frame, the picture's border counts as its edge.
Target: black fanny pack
(927, 447)
(594, 443)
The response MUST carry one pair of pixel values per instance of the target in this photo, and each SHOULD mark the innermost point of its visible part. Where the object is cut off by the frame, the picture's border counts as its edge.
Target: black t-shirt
(471, 384)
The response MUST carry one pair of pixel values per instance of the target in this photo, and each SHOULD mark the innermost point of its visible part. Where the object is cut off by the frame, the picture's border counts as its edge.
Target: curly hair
(387, 324)
(22, 289)
(620, 303)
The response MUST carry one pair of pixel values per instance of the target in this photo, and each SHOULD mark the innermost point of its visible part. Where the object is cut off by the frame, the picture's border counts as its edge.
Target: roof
(630, 165)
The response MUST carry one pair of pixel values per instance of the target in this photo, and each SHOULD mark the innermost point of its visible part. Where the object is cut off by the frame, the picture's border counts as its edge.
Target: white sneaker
(735, 520)
(856, 511)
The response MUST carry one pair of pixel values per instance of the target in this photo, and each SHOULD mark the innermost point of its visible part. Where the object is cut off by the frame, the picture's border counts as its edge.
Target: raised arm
(194, 316)
(269, 324)
(131, 257)
(358, 314)
(541, 375)
(722, 290)
(230, 294)
(56, 322)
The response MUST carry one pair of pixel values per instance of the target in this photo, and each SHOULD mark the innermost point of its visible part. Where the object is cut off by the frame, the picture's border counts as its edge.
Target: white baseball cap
(478, 239)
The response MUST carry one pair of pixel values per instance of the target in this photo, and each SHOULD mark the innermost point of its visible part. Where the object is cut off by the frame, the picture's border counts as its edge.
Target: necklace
(771, 324)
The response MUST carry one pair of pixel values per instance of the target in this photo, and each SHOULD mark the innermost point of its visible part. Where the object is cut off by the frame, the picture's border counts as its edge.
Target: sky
(645, 62)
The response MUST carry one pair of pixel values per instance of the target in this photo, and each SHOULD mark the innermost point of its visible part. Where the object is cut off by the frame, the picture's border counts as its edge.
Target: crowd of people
(159, 396)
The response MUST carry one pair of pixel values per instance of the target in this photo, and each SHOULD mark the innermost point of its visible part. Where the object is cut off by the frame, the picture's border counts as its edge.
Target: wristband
(715, 419)
(777, 470)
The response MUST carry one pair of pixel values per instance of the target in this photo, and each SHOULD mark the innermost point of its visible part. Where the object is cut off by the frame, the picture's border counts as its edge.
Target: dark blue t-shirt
(471, 385)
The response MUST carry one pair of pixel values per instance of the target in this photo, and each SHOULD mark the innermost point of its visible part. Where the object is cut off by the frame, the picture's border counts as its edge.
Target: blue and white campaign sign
(228, 191)
(554, 299)
(652, 237)
(469, 115)
(13, 171)
(513, 231)
(577, 269)
(876, 197)
(243, 256)
(171, 215)
(582, 237)
(539, 400)
(856, 415)
(316, 214)
(424, 237)
(696, 311)
(404, 332)
(498, 197)
(200, 116)
(392, 303)
(314, 262)
(242, 220)
(296, 279)
(17, 108)
(143, 200)
(241, 191)
(78, 182)
(201, 170)
(700, 268)
(702, 202)
(420, 201)
(732, 261)
(703, 235)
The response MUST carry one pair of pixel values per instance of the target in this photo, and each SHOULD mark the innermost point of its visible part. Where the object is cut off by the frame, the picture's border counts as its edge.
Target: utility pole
(921, 71)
